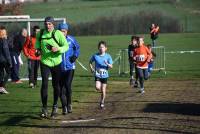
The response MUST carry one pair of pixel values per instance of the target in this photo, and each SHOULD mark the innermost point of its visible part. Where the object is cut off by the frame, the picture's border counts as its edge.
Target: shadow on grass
(103, 127)
(184, 108)
(16, 120)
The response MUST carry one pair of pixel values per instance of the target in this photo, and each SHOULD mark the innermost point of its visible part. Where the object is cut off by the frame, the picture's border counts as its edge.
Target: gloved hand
(9, 65)
(37, 53)
(72, 59)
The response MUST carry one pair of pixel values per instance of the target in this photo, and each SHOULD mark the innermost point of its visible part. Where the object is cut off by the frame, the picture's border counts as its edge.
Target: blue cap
(63, 26)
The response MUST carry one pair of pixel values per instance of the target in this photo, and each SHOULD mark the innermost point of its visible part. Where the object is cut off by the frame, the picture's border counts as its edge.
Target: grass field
(77, 11)
(19, 110)
(176, 64)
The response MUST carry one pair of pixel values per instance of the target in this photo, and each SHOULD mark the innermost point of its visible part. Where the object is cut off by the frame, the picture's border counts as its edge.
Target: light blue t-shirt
(101, 69)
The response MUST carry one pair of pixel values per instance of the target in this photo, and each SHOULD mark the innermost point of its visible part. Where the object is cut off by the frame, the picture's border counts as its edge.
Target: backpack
(52, 36)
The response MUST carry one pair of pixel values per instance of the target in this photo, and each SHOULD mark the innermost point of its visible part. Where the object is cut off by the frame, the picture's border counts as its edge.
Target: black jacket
(131, 51)
(18, 42)
(4, 52)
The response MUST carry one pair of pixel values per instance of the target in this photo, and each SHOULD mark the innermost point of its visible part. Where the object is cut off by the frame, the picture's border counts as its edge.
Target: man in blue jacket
(68, 67)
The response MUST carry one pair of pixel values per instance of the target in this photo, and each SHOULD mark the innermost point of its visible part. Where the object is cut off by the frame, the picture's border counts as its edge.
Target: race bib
(140, 58)
(101, 72)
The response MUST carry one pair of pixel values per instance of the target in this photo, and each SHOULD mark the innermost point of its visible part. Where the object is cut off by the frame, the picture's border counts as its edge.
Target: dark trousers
(132, 68)
(15, 66)
(143, 75)
(33, 66)
(65, 86)
(4, 74)
(55, 73)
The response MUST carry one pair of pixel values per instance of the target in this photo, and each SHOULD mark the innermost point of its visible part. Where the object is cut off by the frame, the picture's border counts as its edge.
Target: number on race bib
(101, 72)
(140, 58)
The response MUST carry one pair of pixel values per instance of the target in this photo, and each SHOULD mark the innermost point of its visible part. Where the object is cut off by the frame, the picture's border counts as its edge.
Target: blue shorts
(150, 67)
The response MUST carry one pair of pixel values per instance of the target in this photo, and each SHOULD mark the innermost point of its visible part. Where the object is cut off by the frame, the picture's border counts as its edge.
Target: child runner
(132, 65)
(151, 63)
(142, 56)
(103, 61)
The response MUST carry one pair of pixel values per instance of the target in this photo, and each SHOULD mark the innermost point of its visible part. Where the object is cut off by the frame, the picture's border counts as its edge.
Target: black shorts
(102, 80)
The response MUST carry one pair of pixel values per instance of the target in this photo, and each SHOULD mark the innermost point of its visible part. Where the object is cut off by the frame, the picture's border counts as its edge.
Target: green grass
(176, 64)
(186, 11)
(20, 109)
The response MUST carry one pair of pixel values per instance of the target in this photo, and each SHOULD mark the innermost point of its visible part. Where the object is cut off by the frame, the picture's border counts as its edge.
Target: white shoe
(102, 105)
(3, 90)
(31, 85)
(142, 91)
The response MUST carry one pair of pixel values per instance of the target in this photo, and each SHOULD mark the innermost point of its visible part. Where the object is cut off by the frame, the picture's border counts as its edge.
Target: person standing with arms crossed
(50, 44)
(68, 68)
(33, 60)
(103, 61)
(142, 56)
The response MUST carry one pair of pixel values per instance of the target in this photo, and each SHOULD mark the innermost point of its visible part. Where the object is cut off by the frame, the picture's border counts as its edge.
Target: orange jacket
(142, 56)
(29, 48)
(155, 30)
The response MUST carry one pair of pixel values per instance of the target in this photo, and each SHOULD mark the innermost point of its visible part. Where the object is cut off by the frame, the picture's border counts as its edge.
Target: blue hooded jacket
(74, 50)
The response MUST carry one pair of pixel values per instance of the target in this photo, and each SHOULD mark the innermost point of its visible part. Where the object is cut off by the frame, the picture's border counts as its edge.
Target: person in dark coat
(5, 60)
(18, 42)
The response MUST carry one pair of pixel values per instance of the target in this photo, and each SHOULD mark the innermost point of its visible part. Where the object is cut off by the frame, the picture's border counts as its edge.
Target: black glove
(72, 58)
(37, 53)
(9, 65)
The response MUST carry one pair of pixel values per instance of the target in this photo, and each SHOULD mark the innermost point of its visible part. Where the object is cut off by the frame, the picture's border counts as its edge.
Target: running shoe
(54, 111)
(44, 112)
(3, 90)
(64, 110)
(18, 82)
(142, 91)
(102, 106)
(69, 109)
(131, 81)
(136, 84)
(31, 85)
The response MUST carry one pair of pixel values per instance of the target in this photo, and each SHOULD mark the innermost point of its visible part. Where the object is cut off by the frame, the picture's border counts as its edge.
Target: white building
(14, 1)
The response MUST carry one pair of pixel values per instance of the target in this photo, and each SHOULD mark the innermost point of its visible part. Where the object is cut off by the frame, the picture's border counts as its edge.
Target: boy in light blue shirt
(103, 61)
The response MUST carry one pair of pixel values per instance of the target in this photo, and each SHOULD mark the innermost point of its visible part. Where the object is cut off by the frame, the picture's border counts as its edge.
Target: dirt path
(168, 106)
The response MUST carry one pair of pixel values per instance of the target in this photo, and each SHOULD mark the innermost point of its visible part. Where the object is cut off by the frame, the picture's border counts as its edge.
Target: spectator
(103, 61)
(51, 44)
(18, 42)
(154, 30)
(5, 60)
(68, 68)
(33, 60)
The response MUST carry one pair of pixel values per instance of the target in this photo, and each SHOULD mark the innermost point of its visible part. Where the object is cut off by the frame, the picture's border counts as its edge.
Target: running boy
(142, 56)
(103, 61)
(132, 65)
(151, 63)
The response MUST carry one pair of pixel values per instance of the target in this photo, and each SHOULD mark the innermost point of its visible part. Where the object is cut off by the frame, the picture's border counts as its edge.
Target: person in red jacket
(154, 30)
(142, 56)
(33, 60)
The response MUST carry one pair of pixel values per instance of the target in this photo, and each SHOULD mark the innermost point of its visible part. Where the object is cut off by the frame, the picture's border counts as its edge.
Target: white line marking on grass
(78, 121)
(182, 52)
